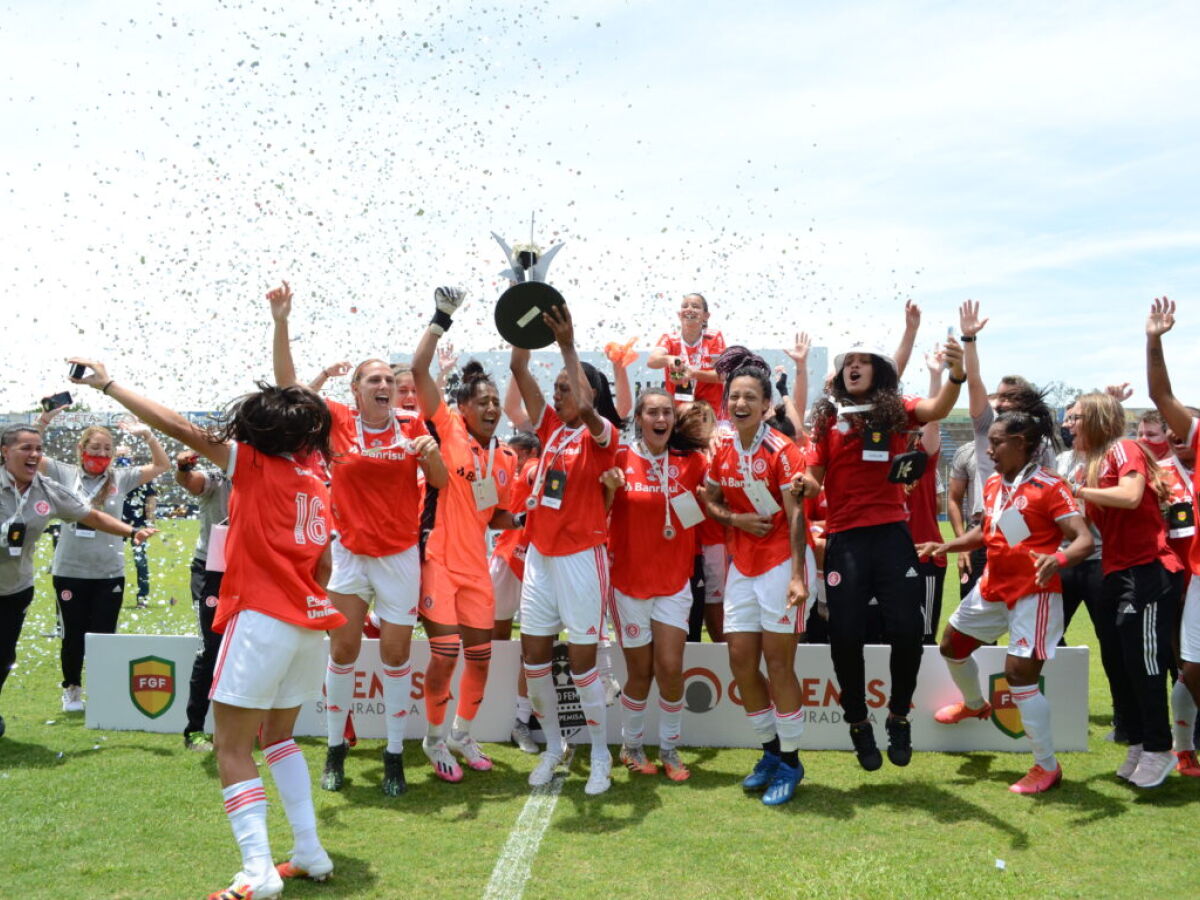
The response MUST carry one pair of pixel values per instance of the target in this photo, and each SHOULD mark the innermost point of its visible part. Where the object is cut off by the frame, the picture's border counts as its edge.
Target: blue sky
(805, 165)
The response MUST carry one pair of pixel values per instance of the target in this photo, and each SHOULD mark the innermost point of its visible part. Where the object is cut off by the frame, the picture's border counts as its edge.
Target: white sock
(604, 656)
(763, 723)
(524, 709)
(789, 727)
(591, 698)
(460, 728)
(1183, 717)
(1035, 716)
(339, 694)
(965, 673)
(246, 807)
(670, 723)
(295, 790)
(543, 696)
(633, 720)
(397, 688)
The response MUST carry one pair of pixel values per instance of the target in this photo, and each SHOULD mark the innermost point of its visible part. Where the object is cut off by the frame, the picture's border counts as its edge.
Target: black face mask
(1068, 439)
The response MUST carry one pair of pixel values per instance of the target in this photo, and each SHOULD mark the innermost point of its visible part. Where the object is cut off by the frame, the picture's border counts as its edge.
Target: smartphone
(77, 370)
(57, 401)
(949, 337)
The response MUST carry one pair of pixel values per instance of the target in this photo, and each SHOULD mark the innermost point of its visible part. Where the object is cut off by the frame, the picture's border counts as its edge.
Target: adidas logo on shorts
(911, 573)
(592, 630)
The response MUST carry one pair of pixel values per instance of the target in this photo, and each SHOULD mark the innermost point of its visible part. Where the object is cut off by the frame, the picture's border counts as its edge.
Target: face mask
(1158, 448)
(96, 465)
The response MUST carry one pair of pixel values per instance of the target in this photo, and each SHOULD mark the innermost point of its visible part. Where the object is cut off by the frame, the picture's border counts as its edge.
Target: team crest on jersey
(1005, 714)
(42, 508)
(759, 466)
(502, 477)
(1020, 503)
(833, 579)
(673, 471)
(427, 602)
(210, 601)
(152, 685)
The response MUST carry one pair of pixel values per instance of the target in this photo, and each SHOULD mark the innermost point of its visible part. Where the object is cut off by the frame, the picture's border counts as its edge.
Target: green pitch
(87, 814)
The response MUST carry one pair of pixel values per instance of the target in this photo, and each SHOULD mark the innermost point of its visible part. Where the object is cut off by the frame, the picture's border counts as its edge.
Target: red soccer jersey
(376, 498)
(645, 562)
(458, 541)
(277, 533)
(922, 508)
(511, 544)
(1132, 537)
(858, 490)
(773, 460)
(581, 521)
(701, 355)
(1042, 498)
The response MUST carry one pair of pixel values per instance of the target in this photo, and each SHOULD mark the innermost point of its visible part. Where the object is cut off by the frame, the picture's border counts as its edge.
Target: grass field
(87, 814)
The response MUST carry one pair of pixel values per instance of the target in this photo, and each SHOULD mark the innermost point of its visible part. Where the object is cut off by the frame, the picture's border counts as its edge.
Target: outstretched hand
(280, 299)
(799, 352)
(969, 323)
(1161, 318)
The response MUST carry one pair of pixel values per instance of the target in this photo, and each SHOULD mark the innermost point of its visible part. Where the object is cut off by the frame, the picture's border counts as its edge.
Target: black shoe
(899, 733)
(863, 736)
(335, 767)
(393, 784)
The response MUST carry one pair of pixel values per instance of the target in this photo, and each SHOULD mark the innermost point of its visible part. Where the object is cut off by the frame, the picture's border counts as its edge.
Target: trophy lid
(519, 314)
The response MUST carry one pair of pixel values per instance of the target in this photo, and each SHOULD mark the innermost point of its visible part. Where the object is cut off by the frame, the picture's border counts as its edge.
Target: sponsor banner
(140, 682)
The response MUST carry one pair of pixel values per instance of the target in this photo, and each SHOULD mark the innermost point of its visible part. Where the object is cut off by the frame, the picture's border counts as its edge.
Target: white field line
(516, 859)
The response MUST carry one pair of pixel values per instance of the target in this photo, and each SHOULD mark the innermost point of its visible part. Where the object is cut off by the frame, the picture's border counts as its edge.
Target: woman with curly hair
(860, 432)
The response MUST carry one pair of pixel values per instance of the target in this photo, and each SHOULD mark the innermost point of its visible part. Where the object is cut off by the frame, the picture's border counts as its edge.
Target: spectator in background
(964, 509)
(141, 504)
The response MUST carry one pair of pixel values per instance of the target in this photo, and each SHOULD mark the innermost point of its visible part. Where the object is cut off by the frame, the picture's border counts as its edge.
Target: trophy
(519, 309)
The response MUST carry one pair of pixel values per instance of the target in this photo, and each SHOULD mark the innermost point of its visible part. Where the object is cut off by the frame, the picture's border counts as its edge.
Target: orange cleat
(1037, 780)
(673, 766)
(634, 759)
(958, 712)
(1186, 763)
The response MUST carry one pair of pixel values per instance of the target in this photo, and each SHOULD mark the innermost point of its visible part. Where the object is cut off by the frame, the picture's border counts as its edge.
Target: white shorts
(392, 582)
(506, 589)
(266, 663)
(631, 616)
(565, 591)
(1189, 636)
(714, 561)
(1034, 624)
(760, 602)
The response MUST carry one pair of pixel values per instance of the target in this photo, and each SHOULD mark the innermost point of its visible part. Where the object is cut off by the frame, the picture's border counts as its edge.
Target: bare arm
(912, 323)
(797, 534)
(527, 386)
(428, 395)
(954, 501)
(931, 434)
(624, 398)
(934, 409)
(970, 325)
(102, 521)
(1125, 494)
(1174, 413)
(1081, 545)
(559, 321)
(159, 461)
(799, 355)
(429, 458)
(281, 349)
(191, 480)
(155, 414)
(513, 408)
(333, 371)
(658, 358)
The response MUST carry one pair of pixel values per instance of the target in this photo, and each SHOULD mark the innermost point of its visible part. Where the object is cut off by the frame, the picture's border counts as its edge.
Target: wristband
(1061, 559)
(440, 321)
(954, 380)
(104, 390)
(967, 339)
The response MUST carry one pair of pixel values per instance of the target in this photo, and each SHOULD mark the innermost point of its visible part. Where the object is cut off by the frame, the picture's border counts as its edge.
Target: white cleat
(244, 887)
(470, 751)
(543, 773)
(316, 868)
(600, 777)
(72, 699)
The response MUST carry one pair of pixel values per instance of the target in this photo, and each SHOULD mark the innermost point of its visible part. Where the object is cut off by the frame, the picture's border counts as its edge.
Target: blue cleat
(763, 774)
(783, 785)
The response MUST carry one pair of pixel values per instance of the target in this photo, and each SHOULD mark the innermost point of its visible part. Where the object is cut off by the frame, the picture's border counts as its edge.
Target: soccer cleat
(673, 766)
(393, 784)
(319, 868)
(634, 759)
(243, 888)
(72, 699)
(1132, 757)
(543, 772)
(523, 737)
(600, 776)
(783, 784)
(1185, 763)
(197, 742)
(1037, 780)
(1152, 769)
(862, 736)
(960, 712)
(899, 733)
(470, 751)
(764, 771)
(334, 774)
(444, 766)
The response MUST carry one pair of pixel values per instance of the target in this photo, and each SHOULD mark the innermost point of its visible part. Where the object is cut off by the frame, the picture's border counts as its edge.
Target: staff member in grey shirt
(89, 569)
(28, 501)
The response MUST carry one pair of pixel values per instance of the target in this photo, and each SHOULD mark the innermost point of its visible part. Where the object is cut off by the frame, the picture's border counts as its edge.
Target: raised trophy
(519, 309)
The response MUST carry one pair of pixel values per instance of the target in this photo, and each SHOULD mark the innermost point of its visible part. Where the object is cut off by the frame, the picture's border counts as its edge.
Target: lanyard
(89, 497)
(21, 500)
(1001, 503)
(398, 439)
(659, 466)
(554, 449)
(479, 476)
(693, 359)
(746, 457)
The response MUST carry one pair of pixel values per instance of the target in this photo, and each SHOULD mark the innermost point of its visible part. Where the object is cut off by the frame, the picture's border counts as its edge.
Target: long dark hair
(471, 377)
(278, 420)
(680, 440)
(602, 402)
(888, 412)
